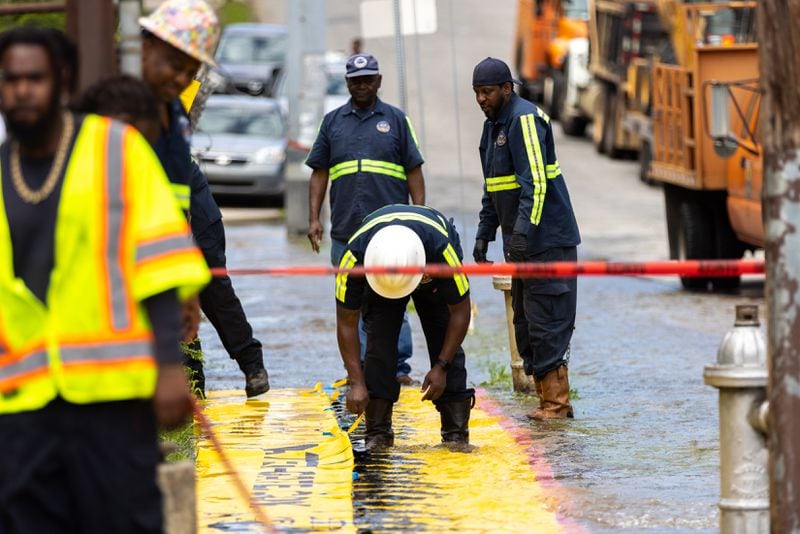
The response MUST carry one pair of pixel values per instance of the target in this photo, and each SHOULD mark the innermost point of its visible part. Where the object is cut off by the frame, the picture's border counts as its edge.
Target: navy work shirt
(524, 191)
(367, 154)
(438, 235)
(173, 150)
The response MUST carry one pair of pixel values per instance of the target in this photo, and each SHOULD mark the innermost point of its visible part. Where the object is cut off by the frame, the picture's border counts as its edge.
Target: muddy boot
(555, 396)
(378, 418)
(455, 421)
(256, 381)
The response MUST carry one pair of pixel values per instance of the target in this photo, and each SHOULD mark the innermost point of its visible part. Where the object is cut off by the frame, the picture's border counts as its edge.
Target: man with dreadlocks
(96, 257)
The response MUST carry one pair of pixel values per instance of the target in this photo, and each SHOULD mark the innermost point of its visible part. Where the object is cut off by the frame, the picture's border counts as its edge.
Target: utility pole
(91, 24)
(780, 128)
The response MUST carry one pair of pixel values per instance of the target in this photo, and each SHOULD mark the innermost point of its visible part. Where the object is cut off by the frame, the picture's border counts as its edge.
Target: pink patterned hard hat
(189, 25)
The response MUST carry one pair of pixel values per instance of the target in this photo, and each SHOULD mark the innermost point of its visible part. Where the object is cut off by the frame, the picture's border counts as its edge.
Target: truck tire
(645, 158)
(690, 231)
(698, 228)
(598, 124)
(553, 95)
(574, 126)
(727, 245)
(610, 126)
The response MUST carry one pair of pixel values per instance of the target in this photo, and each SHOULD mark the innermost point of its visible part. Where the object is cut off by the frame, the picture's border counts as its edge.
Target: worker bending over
(401, 235)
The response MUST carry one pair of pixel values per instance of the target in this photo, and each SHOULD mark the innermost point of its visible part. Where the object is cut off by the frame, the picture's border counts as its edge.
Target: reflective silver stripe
(105, 351)
(114, 240)
(153, 249)
(31, 362)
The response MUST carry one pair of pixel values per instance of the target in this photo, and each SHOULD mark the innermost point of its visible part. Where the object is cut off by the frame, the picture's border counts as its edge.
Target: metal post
(522, 382)
(306, 25)
(741, 376)
(400, 55)
(91, 24)
(130, 46)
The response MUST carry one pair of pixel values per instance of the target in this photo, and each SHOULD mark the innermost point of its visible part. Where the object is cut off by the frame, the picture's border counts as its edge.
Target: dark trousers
(383, 319)
(544, 315)
(221, 305)
(80, 468)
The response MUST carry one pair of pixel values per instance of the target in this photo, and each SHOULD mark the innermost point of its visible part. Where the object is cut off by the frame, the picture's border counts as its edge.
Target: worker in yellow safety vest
(95, 257)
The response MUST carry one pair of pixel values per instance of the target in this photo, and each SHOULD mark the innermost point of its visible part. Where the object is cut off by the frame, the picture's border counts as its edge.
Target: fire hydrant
(740, 374)
(522, 382)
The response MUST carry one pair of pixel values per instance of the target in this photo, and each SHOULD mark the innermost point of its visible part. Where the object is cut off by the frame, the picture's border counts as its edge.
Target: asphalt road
(643, 449)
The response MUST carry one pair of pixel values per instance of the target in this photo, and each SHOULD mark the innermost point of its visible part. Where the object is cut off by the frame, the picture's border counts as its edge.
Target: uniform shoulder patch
(501, 138)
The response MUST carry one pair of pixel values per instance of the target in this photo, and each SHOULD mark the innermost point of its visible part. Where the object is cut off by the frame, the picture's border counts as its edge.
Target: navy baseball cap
(361, 65)
(492, 71)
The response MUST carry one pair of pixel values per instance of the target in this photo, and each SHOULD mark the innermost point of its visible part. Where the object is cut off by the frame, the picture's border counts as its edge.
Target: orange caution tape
(693, 268)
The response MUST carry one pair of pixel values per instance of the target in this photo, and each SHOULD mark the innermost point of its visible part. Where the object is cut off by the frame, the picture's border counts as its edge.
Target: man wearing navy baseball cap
(526, 196)
(368, 152)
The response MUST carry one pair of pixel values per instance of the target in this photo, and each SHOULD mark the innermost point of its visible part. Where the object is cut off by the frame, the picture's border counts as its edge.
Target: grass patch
(499, 375)
(234, 11)
(183, 439)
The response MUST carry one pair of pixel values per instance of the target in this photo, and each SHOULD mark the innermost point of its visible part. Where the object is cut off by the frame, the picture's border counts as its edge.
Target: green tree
(51, 20)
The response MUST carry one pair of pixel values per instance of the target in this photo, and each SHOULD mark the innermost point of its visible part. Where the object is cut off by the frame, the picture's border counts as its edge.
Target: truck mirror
(725, 144)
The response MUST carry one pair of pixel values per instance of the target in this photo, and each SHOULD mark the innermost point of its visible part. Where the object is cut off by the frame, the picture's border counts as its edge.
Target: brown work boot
(378, 419)
(554, 402)
(537, 384)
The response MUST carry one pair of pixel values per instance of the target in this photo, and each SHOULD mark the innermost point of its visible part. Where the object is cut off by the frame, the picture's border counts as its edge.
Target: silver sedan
(240, 144)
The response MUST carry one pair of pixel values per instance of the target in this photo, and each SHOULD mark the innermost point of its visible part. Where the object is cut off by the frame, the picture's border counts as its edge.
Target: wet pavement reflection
(642, 451)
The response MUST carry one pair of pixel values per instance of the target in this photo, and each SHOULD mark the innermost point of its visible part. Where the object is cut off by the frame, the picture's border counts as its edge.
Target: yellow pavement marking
(289, 449)
(492, 488)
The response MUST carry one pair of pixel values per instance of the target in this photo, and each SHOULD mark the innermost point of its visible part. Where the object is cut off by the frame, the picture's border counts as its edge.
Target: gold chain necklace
(26, 193)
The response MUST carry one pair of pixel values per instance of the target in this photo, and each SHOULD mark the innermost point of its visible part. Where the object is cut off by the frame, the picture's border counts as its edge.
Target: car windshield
(250, 48)
(336, 85)
(241, 121)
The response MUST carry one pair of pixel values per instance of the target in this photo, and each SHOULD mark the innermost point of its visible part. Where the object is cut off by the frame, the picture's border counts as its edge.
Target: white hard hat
(394, 246)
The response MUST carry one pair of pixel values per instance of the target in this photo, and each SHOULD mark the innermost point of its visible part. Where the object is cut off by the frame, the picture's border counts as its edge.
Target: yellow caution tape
(289, 450)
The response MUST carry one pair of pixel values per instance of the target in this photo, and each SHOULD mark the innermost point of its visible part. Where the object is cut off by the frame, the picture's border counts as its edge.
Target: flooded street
(642, 451)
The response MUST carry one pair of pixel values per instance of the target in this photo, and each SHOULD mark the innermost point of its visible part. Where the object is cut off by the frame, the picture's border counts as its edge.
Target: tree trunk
(779, 41)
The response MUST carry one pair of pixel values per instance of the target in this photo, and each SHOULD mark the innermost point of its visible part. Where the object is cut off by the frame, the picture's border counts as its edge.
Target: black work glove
(517, 247)
(479, 252)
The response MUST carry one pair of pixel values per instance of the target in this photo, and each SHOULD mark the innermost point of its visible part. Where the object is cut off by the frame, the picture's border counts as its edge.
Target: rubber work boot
(455, 420)
(378, 418)
(555, 396)
(256, 382)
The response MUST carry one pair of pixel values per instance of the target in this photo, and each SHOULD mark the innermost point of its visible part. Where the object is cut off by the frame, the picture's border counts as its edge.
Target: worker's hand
(479, 252)
(517, 247)
(172, 400)
(315, 235)
(357, 398)
(434, 383)
(190, 318)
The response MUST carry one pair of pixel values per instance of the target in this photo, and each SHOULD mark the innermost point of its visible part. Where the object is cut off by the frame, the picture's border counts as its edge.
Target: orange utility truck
(707, 156)
(545, 29)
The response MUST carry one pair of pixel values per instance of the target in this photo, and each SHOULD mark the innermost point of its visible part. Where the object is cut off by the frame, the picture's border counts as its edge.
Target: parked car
(249, 56)
(240, 144)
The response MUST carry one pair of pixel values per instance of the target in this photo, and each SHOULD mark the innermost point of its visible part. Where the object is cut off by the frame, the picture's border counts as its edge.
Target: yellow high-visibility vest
(120, 238)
